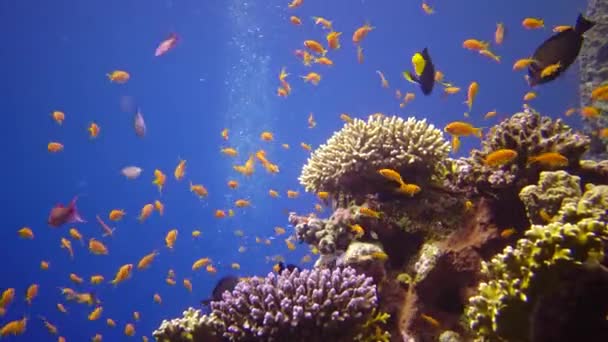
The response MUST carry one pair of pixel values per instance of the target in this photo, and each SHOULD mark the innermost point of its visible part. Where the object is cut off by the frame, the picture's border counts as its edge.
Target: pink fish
(107, 231)
(166, 45)
(61, 215)
(139, 124)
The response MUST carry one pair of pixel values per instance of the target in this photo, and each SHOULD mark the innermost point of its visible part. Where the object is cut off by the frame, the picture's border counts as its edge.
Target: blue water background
(222, 74)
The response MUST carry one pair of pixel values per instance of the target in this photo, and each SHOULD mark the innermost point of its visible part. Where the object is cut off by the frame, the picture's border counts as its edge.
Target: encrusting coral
(529, 134)
(309, 305)
(520, 276)
(352, 156)
(546, 198)
(192, 326)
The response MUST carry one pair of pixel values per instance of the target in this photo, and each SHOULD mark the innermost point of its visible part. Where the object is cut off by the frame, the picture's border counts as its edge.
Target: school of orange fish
(314, 52)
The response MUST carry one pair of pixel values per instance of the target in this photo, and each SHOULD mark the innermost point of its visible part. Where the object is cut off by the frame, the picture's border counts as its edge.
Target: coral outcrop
(544, 200)
(310, 305)
(528, 133)
(353, 155)
(192, 326)
(520, 276)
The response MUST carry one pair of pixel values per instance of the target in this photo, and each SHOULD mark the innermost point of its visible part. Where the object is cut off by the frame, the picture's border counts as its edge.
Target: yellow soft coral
(372, 331)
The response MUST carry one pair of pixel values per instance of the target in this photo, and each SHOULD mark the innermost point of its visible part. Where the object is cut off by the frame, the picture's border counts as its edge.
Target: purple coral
(309, 305)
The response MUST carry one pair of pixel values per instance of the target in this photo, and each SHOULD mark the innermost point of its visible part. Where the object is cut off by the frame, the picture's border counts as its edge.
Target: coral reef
(529, 134)
(593, 61)
(520, 276)
(193, 326)
(350, 159)
(546, 198)
(309, 305)
(319, 304)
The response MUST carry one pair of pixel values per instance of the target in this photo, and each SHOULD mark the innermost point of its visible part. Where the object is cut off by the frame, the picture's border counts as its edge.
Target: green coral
(553, 189)
(372, 330)
(520, 274)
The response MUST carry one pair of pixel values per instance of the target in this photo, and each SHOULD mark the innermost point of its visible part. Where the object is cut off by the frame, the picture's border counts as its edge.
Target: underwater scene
(304, 170)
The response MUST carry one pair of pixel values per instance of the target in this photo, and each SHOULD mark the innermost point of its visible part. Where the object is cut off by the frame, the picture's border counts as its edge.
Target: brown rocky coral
(529, 134)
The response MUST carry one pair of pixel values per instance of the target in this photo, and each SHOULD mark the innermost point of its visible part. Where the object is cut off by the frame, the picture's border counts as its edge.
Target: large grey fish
(562, 48)
(140, 124)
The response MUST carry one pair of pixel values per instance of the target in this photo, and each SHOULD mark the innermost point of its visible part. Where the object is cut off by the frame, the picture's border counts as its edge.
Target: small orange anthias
(61, 214)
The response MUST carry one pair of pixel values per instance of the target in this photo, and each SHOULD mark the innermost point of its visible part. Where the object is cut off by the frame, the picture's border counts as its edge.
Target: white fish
(140, 125)
(131, 172)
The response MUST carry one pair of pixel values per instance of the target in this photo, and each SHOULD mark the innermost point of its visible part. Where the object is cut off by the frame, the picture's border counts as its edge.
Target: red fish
(166, 45)
(61, 215)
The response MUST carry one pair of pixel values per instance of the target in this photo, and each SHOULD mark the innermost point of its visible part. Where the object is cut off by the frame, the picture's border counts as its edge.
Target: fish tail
(583, 24)
(531, 160)
(478, 132)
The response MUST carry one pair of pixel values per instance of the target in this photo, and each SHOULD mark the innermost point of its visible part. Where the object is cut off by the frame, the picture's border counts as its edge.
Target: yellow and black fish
(561, 49)
(424, 71)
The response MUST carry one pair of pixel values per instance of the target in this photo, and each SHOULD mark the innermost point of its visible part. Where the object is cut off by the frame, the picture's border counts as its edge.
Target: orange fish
(26, 233)
(499, 35)
(312, 77)
(295, 20)
(119, 76)
(146, 260)
(180, 170)
(549, 159)
(116, 214)
(160, 207)
(159, 179)
(315, 46)
(474, 44)
(533, 23)
(362, 32)
(460, 129)
(295, 4)
(58, 116)
(500, 157)
(199, 190)
(93, 130)
(333, 40)
(170, 238)
(97, 247)
(146, 211)
(31, 293)
(54, 147)
(124, 273)
(471, 94)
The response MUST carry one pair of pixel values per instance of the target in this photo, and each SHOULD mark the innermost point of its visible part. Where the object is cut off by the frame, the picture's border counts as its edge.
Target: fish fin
(75, 216)
(411, 78)
(583, 24)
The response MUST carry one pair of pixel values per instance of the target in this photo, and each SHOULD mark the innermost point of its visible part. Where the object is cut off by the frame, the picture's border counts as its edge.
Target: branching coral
(546, 198)
(529, 134)
(311, 305)
(412, 147)
(519, 275)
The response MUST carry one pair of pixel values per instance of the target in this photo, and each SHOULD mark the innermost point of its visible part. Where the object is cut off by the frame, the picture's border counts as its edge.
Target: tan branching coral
(412, 147)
